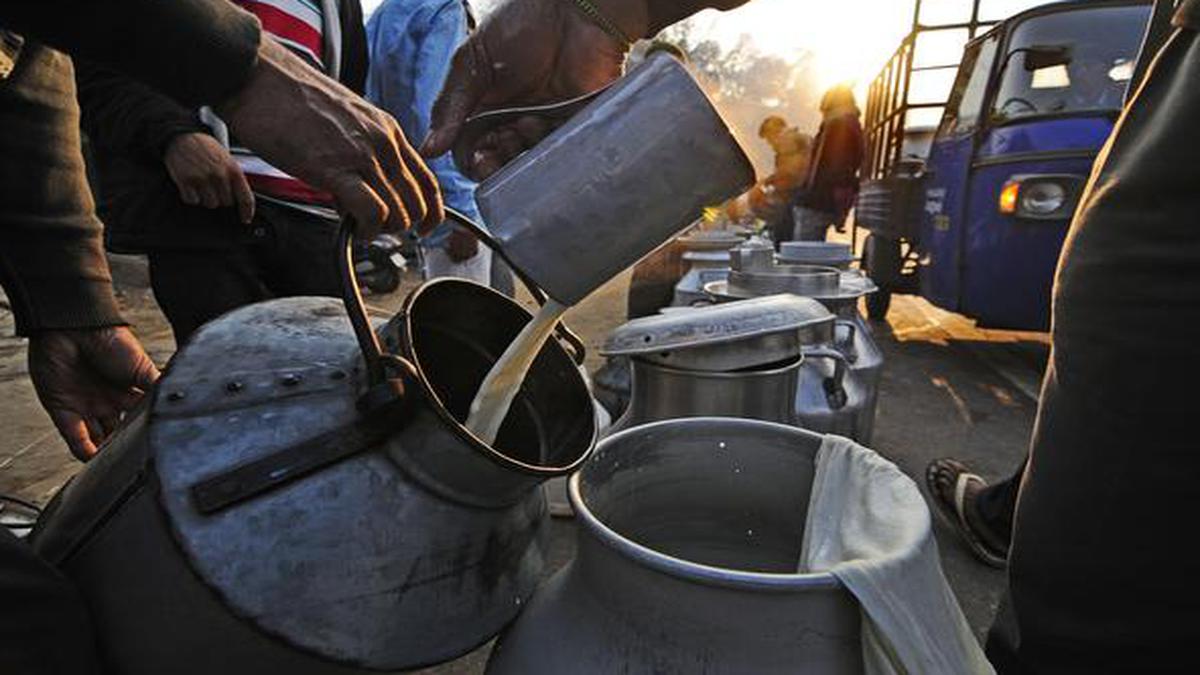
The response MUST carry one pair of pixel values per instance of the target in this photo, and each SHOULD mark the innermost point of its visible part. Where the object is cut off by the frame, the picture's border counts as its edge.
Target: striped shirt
(299, 25)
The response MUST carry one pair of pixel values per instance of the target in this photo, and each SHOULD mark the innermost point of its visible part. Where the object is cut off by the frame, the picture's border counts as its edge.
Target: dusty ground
(948, 389)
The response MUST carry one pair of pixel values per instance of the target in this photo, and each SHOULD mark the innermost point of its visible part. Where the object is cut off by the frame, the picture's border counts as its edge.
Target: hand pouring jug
(295, 499)
(623, 175)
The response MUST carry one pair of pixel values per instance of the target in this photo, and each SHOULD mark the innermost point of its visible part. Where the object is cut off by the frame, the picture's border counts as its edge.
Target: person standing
(86, 365)
(771, 198)
(221, 227)
(832, 184)
(411, 43)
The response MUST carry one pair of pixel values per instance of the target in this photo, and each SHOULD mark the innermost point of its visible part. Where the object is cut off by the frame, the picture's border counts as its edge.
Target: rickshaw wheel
(881, 261)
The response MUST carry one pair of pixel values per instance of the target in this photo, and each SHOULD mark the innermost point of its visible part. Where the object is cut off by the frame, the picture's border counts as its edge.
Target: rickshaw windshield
(1069, 62)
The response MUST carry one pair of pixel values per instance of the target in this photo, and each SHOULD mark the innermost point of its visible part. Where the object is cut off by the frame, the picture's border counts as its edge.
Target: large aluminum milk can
(623, 175)
(849, 410)
(703, 267)
(739, 359)
(689, 535)
(300, 495)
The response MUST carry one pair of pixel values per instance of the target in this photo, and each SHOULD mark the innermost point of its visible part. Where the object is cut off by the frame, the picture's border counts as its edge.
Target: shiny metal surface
(689, 536)
(729, 336)
(660, 392)
(720, 240)
(407, 553)
(864, 367)
(689, 290)
(828, 253)
(852, 285)
(656, 152)
(822, 405)
(755, 254)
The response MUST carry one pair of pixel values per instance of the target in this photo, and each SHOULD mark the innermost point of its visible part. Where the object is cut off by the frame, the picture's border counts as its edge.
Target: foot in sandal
(953, 488)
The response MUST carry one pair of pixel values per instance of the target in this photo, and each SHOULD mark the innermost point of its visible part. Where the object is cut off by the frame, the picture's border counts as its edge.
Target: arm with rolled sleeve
(52, 261)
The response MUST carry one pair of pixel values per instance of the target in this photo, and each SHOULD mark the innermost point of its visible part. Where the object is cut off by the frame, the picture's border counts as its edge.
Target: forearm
(199, 51)
(126, 117)
(51, 253)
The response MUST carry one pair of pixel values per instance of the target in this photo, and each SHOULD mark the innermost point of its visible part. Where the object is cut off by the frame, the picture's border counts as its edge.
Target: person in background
(771, 199)
(221, 227)
(86, 365)
(411, 43)
(832, 183)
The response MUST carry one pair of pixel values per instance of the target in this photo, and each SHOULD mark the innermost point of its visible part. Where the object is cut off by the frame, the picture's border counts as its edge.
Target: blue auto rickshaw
(976, 226)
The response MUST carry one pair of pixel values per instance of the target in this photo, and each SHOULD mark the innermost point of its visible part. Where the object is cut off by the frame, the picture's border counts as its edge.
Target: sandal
(951, 506)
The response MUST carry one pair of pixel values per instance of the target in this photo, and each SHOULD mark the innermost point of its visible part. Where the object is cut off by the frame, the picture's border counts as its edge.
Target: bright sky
(850, 39)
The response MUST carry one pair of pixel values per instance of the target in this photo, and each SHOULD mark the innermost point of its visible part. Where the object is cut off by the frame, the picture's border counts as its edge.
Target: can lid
(706, 256)
(826, 284)
(816, 253)
(711, 240)
(715, 325)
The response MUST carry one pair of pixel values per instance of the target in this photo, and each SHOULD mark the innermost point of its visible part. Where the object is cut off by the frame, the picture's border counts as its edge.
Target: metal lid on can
(725, 337)
(831, 253)
(711, 240)
(826, 284)
(707, 256)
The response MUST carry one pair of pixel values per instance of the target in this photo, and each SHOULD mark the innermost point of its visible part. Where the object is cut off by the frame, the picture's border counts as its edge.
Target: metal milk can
(703, 250)
(300, 495)
(703, 267)
(850, 410)
(689, 534)
(629, 170)
(739, 359)
(825, 253)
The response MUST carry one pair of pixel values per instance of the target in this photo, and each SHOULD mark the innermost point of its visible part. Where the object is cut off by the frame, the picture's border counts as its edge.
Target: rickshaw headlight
(1042, 198)
(1045, 197)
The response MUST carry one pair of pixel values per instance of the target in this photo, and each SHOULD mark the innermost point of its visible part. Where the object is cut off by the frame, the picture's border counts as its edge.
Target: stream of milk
(503, 381)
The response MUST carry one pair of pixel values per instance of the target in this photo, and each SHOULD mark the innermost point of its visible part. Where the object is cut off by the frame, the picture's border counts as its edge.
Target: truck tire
(881, 261)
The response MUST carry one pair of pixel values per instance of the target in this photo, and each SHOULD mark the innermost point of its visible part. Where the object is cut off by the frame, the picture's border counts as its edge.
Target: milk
(503, 381)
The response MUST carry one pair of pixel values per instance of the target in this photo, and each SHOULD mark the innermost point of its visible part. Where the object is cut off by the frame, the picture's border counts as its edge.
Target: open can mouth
(454, 332)
(716, 500)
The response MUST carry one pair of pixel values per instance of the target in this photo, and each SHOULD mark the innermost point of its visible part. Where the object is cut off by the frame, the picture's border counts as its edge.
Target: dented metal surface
(398, 555)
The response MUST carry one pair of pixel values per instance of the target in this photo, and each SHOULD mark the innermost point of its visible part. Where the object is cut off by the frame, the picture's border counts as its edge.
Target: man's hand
(86, 379)
(527, 52)
(461, 244)
(206, 174)
(321, 132)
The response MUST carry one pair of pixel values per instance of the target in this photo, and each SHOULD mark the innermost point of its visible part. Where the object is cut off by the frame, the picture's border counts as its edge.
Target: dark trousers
(44, 625)
(1102, 570)
(996, 504)
(288, 253)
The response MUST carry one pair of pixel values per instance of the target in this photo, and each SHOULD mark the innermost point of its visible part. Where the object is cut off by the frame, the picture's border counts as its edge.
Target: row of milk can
(838, 380)
(299, 493)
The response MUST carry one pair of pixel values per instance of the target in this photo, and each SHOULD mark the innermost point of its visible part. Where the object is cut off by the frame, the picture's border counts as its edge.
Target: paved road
(948, 389)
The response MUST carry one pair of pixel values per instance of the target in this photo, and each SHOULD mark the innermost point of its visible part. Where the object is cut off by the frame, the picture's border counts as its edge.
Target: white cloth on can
(869, 526)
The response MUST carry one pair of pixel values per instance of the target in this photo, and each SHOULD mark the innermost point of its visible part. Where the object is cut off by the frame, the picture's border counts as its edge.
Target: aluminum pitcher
(624, 174)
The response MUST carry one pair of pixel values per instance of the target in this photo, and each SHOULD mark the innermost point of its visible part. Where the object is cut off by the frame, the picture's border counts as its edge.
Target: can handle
(573, 341)
(386, 373)
(835, 387)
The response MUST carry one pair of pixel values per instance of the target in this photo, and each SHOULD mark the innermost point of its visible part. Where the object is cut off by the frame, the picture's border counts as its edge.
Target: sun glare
(849, 40)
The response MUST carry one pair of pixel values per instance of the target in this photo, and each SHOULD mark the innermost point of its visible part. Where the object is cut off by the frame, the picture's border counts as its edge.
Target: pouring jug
(632, 167)
(300, 495)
